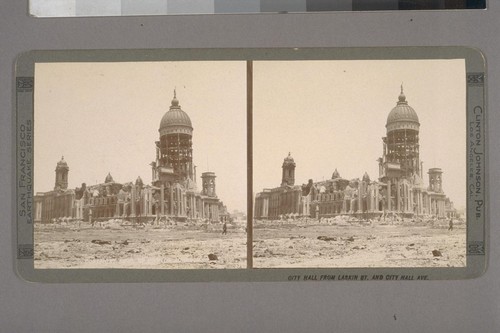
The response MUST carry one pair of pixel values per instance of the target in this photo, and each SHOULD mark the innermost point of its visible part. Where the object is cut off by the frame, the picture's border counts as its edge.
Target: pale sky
(104, 117)
(332, 114)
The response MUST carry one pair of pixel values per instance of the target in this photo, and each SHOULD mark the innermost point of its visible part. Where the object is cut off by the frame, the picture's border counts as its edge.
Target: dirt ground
(276, 244)
(113, 244)
(359, 244)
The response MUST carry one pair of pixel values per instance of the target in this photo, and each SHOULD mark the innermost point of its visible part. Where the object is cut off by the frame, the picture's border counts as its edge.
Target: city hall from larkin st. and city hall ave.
(399, 189)
(172, 193)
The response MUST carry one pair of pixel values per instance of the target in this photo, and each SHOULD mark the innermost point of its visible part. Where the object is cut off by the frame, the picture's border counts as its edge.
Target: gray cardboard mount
(437, 306)
(475, 118)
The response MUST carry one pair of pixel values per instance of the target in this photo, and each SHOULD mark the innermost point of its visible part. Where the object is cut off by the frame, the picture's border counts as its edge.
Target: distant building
(58, 202)
(399, 189)
(173, 191)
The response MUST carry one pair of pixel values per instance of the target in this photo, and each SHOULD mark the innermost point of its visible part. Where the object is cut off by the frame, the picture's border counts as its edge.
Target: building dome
(139, 182)
(366, 177)
(175, 120)
(62, 164)
(402, 116)
(288, 161)
(109, 178)
(289, 158)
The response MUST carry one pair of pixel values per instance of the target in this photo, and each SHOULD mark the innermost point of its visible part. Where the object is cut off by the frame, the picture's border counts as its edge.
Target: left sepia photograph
(140, 165)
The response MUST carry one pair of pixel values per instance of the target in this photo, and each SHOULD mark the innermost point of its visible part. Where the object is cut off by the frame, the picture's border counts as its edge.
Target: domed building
(399, 189)
(172, 193)
(400, 168)
(175, 175)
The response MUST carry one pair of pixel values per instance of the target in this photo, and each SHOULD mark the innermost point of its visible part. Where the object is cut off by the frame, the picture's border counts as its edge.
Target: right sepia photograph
(359, 163)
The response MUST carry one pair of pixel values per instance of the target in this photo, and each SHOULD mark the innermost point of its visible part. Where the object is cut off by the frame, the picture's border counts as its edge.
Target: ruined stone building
(172, 193)
(58, 202)
(399, 188)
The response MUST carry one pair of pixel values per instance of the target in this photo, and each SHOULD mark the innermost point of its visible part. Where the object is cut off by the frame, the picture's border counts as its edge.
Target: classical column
(417, 193)
(266, 207)
(193, 205)
(412, 199)
(398, 195)
(389, 197)
(171, 203)
(132, 201)
(162, 199)
(180, 202)
(185, 203)
(297, 202)
(38, 210)
(360, 198)
(369, 198)
(422, 203)
(419, 203)
(175, 201)
(404, 196)
(257, 208)
(371, 193)
(150, 201)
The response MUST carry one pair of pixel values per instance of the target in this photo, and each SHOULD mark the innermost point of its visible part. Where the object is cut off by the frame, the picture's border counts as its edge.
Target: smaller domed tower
(109, 178)
(435, 180)
(366, 178)
(208, 180)
(288, 177)
(62, 170)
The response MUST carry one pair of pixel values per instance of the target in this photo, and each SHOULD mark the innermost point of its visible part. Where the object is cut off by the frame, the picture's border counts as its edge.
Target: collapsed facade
(173, 192)
(399, 189)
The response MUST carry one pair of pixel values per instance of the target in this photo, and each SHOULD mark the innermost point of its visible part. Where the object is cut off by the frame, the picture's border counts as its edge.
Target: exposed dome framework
(401, 146)
(175, 148)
